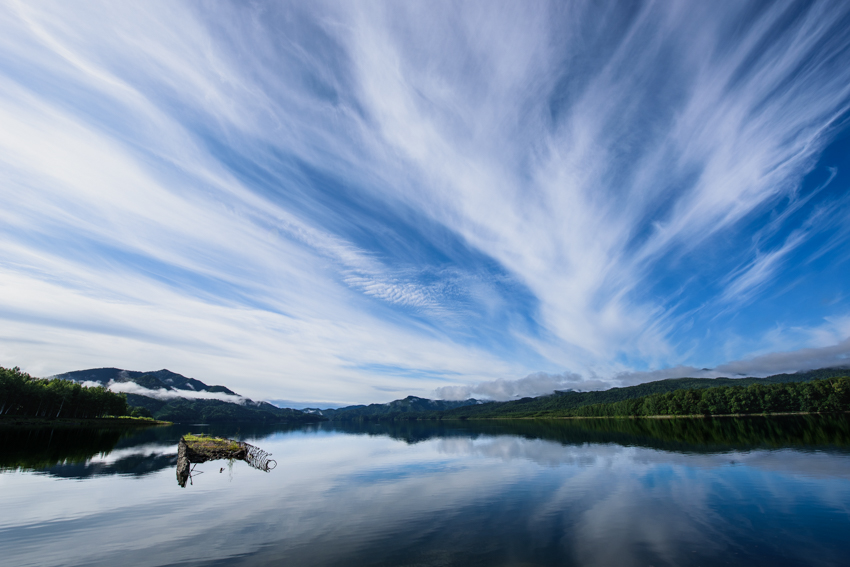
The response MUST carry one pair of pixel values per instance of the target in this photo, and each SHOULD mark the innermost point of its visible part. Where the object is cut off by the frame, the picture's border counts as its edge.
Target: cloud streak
(541, 384)
(537, 384)
(280, 196)
(778, 362)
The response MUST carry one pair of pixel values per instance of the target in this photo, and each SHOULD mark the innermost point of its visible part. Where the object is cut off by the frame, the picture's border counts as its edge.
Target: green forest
(22, 395)
(668, 397)
(25, 396)
(759, 396)
(182, 410)
(829, 395)
(561, 404)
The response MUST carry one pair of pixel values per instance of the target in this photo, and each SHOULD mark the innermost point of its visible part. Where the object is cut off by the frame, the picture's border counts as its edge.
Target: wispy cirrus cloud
(650, 158)
(292, 193)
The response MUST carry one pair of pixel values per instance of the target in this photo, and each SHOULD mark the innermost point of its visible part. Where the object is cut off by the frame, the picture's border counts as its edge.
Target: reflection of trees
(725, 432)
(68, 452)
(33, 449)
(170, 436)
(683, 435)
(135, 464)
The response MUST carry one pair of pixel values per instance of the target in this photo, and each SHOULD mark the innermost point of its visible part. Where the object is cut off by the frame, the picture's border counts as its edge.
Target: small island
(196, 449)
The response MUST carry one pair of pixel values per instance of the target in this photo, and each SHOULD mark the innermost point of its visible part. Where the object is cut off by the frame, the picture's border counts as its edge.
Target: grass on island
(206, 443)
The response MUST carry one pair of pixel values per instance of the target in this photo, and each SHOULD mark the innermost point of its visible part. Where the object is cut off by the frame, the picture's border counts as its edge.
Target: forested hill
(155, 380)
(180, 402)
(816, 396)
(185, 410)
(22, 395)
(409, 405)
(563, 403)
(560, 403)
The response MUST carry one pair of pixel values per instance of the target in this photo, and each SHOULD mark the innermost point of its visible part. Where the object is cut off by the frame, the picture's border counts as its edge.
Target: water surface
(755, 491)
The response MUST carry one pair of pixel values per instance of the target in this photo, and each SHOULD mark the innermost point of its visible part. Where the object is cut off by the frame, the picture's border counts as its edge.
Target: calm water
(753, 491)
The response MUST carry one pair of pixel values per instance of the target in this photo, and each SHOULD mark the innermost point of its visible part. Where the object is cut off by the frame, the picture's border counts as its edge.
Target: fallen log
(195, 449)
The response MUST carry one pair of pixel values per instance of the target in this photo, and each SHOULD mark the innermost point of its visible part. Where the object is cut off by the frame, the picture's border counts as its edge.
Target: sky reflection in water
(463, 494)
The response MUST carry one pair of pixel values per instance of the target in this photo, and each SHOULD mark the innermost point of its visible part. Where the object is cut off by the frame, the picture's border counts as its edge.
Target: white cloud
(541, 383)
(70, 177)
(537, 384)
(565, 222)
(791, 361)
(164, 394)
(158, 203)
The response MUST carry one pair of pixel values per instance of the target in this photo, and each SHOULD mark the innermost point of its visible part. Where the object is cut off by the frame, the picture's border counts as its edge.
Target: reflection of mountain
(169, 436)
(87, 452)
(83, 453)
(678, 435)
(35, 449)
(135, 464)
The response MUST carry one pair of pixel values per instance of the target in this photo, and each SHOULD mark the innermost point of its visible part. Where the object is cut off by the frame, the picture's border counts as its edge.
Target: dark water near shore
(736, 491)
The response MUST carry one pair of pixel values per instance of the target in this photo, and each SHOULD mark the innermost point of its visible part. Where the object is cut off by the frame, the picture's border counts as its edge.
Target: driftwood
(200, 449)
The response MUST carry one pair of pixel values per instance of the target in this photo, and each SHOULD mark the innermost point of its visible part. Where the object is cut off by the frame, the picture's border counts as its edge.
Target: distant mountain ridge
(164, 378)
(188, 409)
(558, 403)
(410, 404)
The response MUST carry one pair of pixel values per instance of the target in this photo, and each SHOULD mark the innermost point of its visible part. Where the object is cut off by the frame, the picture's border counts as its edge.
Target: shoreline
(544, 417)
(689, 416)
(72, 422)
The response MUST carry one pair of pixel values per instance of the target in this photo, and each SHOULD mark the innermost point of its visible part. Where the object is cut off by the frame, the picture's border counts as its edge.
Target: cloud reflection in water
(457, 497)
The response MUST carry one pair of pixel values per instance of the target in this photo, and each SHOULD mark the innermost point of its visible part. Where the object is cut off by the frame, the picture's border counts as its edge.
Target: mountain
(185, 410)
(180, 404)
(165, 379)
(398, 408)
(559, 403)
(552, 405)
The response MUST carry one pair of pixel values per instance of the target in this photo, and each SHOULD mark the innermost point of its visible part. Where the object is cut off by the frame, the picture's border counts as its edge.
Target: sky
(352, 202)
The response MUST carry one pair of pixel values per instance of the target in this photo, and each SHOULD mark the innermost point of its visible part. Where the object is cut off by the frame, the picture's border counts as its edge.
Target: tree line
(26, 396)
(561, 404)
(829, 395)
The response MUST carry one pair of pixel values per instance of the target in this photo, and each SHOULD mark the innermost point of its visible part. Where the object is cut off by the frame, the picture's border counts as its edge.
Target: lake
(732, 491)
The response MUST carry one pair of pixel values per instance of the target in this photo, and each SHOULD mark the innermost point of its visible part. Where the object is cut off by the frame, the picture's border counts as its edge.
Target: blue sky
(357, 201)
